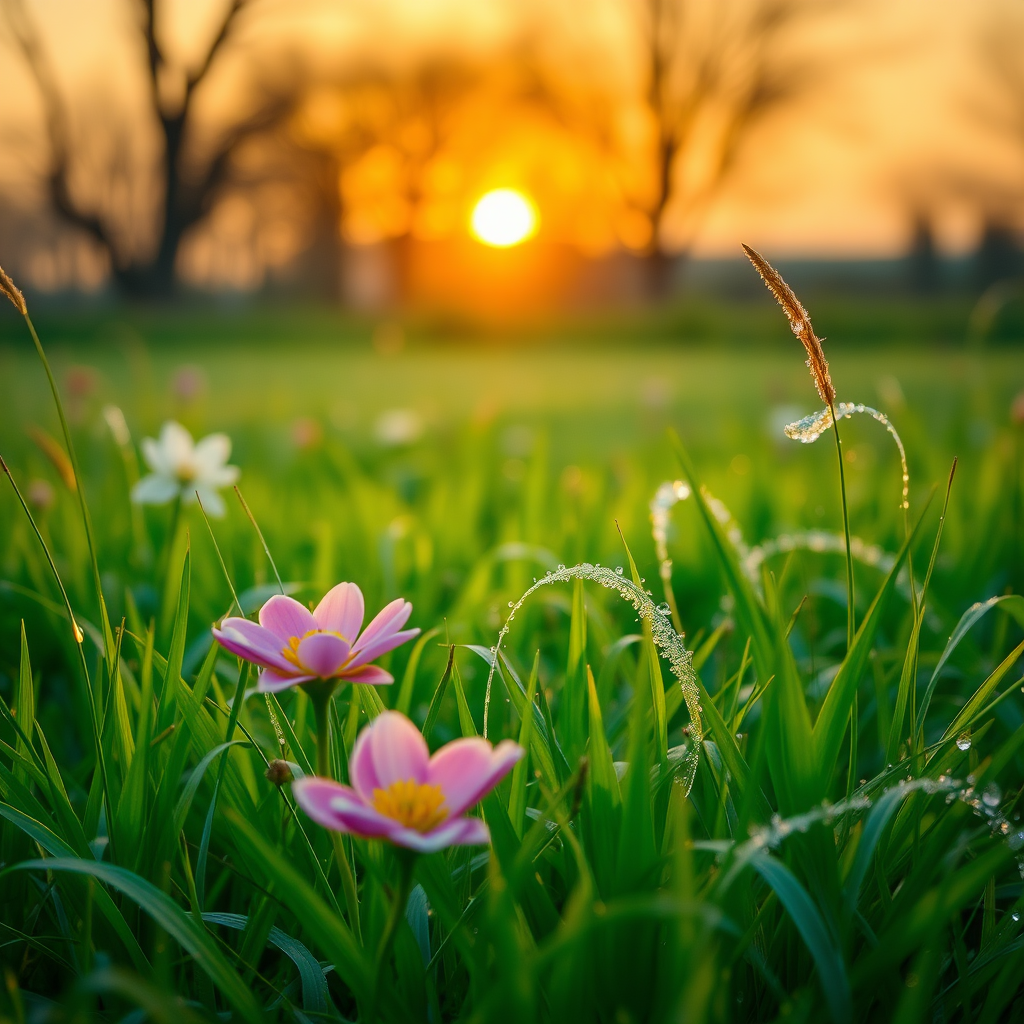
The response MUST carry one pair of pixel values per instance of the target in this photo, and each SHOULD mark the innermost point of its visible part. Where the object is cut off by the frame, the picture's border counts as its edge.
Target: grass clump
(777, 817)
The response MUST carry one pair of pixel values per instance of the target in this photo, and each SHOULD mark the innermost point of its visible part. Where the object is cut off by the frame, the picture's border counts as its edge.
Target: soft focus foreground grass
(453, 477)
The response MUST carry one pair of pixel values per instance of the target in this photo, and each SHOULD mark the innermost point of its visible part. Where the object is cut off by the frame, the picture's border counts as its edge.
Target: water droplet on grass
(963, 741)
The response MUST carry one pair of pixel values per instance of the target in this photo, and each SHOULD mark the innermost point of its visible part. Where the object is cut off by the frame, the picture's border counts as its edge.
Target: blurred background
(446, 270)
(503, 159)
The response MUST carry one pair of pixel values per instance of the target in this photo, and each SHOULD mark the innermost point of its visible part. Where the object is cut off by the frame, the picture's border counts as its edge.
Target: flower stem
(165, 554)
(406, 865)
(321, 700)
(850, 623)
(320, 697)
(850, 614)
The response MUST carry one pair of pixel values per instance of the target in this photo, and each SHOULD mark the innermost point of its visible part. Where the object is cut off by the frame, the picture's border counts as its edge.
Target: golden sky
(836, 172)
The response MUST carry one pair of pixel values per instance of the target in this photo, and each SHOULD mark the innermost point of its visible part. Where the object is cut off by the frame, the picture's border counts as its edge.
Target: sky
(884, 123)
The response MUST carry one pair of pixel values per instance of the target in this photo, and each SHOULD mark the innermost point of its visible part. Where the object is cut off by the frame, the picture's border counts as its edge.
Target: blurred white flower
(181, 468)
(397, 427)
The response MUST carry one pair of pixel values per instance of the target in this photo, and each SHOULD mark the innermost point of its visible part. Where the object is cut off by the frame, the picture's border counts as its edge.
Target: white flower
(397, 427)
(181, 468)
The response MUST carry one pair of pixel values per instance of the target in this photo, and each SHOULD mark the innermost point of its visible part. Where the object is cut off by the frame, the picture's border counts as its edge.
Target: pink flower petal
(339, 808)
(467, 769)
(390, 619)
(382, 645)
(285, 617)
(341, 611)
(323, 654)
(390, 749)
(272, 682)
(456, 832)
(252, 642)
(372, 675)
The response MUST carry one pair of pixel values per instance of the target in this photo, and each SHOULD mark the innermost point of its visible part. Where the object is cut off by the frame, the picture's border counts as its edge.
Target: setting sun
(503, 218)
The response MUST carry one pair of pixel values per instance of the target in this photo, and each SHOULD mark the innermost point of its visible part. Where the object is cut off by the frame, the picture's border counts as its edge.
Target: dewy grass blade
(851, 607)
(654, 664)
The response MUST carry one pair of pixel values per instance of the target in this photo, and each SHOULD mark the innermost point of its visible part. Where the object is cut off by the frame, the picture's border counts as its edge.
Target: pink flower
(402, 794)
(294, 645)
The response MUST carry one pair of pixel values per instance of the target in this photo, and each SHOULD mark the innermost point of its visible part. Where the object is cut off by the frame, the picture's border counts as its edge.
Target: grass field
(454, 475)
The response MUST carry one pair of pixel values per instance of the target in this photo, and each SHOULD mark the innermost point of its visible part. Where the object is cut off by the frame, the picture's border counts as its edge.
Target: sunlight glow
(503, 218)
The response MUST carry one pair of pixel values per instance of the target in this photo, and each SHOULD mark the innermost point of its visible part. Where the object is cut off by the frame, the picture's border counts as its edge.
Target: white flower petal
(156, 457)
(178, 447)
(154, 490)
(211, 453)
(222, 476)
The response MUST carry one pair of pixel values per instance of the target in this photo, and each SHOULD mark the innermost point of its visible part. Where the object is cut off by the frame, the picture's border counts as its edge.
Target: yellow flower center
(290, 651)
(416, 805)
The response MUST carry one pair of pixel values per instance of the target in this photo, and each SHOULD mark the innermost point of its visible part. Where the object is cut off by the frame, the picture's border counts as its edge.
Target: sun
(503, 218)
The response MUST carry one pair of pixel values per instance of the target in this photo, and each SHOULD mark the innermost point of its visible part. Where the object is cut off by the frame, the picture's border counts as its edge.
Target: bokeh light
(503, 218)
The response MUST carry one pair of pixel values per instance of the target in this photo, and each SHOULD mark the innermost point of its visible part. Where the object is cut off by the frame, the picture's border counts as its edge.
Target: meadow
(823, 830)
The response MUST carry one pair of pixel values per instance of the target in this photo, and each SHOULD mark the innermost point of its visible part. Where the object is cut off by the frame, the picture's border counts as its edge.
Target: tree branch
(58, 179)
(196, 76)
(196, 203)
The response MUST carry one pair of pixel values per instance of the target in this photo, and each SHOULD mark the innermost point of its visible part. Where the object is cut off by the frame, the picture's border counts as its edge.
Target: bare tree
(191, 169)
(713, 70)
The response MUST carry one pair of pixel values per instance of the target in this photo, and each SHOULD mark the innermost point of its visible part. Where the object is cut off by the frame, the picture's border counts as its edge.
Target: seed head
(799, 321)
(13, 292)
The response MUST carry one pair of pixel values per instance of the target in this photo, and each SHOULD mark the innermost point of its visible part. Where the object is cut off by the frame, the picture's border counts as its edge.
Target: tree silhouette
(190, 171)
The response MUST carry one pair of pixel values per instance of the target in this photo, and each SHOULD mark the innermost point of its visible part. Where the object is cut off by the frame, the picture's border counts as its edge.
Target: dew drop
(618, 570)
(963, 741)
(1015, 916)
(992, 795)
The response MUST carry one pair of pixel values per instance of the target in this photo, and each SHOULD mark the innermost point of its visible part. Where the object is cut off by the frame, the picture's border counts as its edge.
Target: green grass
(192, 886)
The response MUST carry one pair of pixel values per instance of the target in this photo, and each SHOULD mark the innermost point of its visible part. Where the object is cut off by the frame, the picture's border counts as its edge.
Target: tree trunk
(660, 275)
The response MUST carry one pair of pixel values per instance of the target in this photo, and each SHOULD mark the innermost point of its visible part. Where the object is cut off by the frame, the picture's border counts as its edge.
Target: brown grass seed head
(13, 292)
(800, 321)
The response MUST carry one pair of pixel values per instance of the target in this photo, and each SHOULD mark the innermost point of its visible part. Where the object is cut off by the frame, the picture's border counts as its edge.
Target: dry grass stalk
(57, 456)
(800, 321)
(13, 292)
